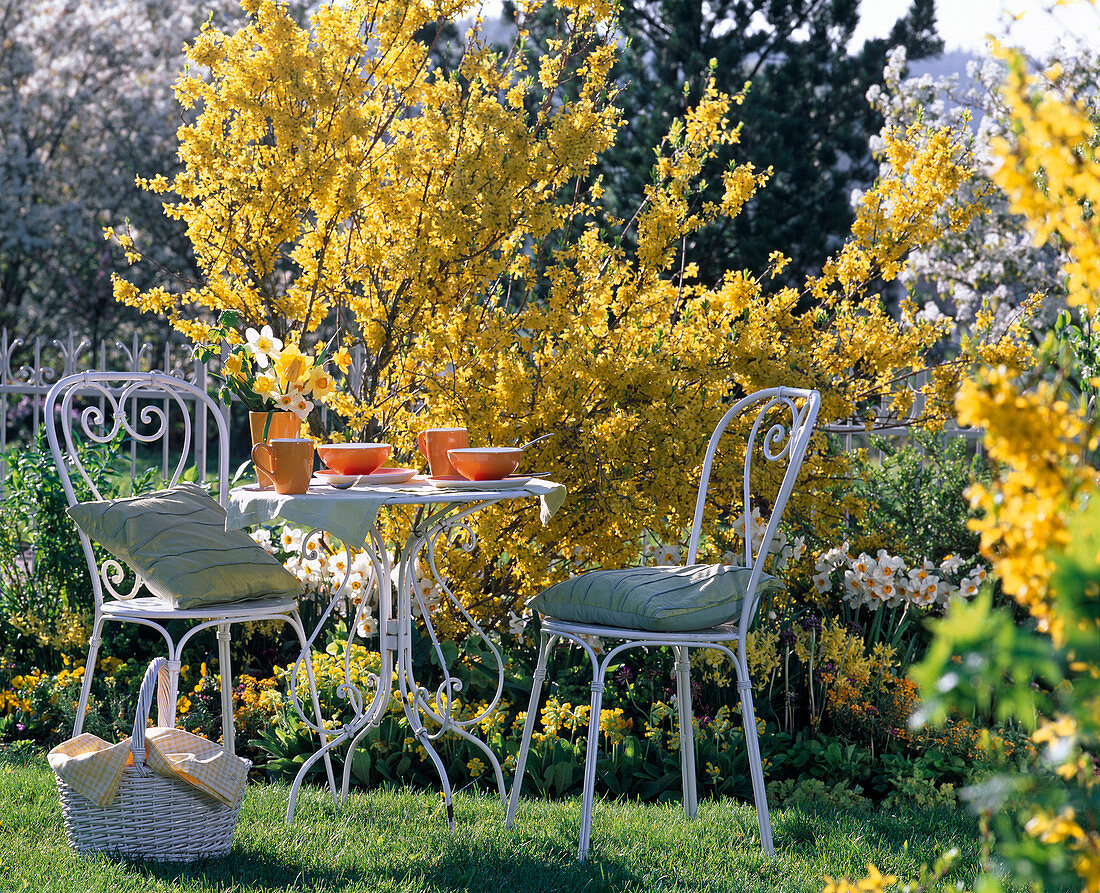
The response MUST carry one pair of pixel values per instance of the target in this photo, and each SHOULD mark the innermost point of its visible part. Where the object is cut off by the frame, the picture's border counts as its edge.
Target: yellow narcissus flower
(292, 366)
(320, 382)
(342, 359)
(264, 385)
(233, 365)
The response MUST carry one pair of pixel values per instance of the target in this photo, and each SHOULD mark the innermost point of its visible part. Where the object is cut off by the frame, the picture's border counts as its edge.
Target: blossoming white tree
(85, 105)
(994, 262)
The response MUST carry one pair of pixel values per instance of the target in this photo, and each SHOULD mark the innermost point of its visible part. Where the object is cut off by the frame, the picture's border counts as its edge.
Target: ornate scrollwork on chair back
(781, 422)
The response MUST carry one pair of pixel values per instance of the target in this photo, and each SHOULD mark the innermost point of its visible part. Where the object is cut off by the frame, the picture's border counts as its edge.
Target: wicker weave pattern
(151, 817)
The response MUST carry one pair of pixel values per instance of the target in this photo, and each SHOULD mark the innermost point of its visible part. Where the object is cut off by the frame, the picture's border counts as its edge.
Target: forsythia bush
(443, 225)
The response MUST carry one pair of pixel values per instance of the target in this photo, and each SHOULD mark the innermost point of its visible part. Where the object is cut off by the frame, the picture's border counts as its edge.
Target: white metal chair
(784, 421)
(154, 410)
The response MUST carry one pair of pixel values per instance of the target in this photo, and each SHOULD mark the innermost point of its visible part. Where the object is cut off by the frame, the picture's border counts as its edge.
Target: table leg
(416, 701)
(365, 715)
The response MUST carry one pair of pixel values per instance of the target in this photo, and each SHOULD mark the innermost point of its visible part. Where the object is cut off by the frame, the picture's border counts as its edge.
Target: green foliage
(1073, 346)
(45, 591)
(816, 794)
(920, 791)
(915, 496)
(981, 659)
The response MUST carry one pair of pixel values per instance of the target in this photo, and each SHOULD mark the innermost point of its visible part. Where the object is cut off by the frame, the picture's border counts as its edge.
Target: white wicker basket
(152, 817)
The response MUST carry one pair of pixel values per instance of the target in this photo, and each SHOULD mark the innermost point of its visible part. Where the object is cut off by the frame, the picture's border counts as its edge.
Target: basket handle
(156, 678)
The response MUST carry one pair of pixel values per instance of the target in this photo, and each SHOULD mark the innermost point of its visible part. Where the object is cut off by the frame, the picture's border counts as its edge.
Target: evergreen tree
(806, 114)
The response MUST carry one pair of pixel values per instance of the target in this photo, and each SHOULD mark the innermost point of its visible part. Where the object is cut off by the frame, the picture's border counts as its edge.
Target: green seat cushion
(658, 599)
(177, 543)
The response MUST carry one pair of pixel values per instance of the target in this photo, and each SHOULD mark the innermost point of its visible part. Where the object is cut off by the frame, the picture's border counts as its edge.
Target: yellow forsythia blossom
(448, 222)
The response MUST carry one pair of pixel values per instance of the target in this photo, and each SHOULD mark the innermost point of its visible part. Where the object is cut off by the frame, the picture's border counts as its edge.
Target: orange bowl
(354, 458)
(485, 463)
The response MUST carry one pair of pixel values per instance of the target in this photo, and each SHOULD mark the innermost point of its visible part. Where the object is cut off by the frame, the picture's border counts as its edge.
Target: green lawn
(398, 840)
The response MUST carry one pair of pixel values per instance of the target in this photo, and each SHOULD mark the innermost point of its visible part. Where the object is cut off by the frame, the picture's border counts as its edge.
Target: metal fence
(29, 367)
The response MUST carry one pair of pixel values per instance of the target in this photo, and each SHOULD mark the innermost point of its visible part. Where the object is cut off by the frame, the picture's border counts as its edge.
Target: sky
(963, 24)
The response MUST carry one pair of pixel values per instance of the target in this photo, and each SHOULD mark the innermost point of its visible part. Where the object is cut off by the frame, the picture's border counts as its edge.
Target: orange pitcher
(434, 444)
(289, 462)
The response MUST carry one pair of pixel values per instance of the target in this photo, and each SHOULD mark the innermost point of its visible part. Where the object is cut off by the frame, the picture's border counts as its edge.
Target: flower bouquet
(266, 376)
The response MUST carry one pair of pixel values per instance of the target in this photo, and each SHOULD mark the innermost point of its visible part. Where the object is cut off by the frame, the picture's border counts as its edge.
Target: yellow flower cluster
(1064, 830)
(1051, 174)
(67, 633)
(1038, 437)
(874, 882)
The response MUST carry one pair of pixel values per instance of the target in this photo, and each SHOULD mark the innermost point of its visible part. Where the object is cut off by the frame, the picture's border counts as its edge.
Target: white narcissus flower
(925, 595)
(951, 564)
(823, 581)
(301, 407)
(355, 586)
(367, 626)
(889, 566)
(361, 563)
(290, 540)
(865, 565)
(263, 345)
(517, 623)
(338, 565)
(262, 537)
(853, 581)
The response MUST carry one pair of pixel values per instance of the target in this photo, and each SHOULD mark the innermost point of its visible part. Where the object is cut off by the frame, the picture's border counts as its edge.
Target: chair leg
(89, 670)
(687, 731)
(226, 673)
(756, 767)
(546, 643)
(591, 755)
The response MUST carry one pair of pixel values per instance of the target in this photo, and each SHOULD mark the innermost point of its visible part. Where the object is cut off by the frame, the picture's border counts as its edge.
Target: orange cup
(289, 462)
(434, 444)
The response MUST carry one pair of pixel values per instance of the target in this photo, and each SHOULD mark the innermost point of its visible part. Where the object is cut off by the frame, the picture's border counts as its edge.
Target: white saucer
(512, 482)
(338, 481)
(388, 476)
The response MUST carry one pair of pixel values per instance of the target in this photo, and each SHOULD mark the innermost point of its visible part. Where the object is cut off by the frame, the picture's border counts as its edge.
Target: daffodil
(262, 344)
(321, 383)
(232, 366)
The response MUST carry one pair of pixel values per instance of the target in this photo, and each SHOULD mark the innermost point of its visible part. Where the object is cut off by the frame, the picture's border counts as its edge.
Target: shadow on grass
(470, 866)
(528, 867)
(248, 868)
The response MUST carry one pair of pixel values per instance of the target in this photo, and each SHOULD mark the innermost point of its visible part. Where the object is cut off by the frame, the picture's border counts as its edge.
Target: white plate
(512, 482)
(337, 481)
(388, 476)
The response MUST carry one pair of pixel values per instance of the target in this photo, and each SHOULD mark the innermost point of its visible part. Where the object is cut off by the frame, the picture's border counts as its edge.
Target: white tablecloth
(350, 514)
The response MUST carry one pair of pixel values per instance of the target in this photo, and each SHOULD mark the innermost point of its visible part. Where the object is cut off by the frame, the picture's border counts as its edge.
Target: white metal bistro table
(350, 516)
